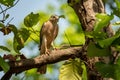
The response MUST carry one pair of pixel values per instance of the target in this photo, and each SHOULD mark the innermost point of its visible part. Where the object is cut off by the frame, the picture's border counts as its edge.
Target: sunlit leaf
(72, 70)
(102, 21)
(7, 2)
(84, 74)
(70, 14)
(118, 4)
(4, 65)
(94, 50)
(31, 72)
(76, 39)
(31, 19)
(4, 48)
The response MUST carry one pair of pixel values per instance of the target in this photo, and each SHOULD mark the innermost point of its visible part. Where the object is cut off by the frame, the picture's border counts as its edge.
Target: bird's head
(55, 18)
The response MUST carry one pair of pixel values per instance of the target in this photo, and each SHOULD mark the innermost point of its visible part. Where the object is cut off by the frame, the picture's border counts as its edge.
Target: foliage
(4, 65)
(31, 19)
(94, 50)
(7, 2)
(73, 69)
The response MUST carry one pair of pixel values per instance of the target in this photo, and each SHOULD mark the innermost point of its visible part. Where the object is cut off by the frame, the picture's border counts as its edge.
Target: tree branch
(53, 57)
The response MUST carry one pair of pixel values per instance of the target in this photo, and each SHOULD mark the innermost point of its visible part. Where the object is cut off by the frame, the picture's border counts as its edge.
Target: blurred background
(70, 25)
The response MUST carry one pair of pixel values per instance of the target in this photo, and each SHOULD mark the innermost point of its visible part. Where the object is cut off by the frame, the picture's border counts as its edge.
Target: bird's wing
(41, 35)
(56, 31)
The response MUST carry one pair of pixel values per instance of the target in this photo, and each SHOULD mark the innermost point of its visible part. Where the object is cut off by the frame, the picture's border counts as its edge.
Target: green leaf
(109, 70)
(110, 41)
(116, 41)
(117, 72)
(117, 3)
(2, 25)
(106, 42)
(31, 19)
(118, 61)
(102, 21)
(7, 16)
(84, 74)
(77, 38)
(4, 65)
(25, 34)
(106, 70)
(18, 41)
(4, 48)
(7, 3)
(73, 70)
(94, 50)
(13, 28)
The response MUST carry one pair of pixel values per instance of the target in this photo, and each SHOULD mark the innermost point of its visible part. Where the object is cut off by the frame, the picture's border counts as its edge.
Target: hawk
(48, 33)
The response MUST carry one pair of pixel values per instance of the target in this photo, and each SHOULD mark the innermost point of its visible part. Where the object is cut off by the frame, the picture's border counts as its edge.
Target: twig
(9, 7)
(10, 21)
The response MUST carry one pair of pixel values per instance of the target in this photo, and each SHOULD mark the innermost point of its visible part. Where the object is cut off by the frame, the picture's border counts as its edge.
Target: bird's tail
(42, 69)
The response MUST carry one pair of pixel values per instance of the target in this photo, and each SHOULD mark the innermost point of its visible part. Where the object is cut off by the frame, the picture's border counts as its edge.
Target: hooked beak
(61, 16)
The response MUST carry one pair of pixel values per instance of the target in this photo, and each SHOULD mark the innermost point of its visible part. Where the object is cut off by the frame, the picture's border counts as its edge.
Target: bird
(48, 33)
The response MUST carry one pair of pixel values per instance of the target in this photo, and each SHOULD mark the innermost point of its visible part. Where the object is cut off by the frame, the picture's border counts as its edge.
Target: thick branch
(53, 57)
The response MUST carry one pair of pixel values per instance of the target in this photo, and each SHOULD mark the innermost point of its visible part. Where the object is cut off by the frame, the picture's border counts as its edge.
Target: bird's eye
(53, 16)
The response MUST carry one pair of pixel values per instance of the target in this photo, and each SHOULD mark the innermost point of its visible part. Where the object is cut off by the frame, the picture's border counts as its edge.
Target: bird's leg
(53, 46)
(46, 49)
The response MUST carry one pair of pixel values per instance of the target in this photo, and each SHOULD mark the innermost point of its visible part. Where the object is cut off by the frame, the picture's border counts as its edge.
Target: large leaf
(94, 50)
(73, 70)
(106, 42)
(106, 70)
(110, 41)
(18, 41)
(31, 19)
(4, 65)
(24, 34)
(102, 21)
(7, 2)
(73, 37)
(4, 48)
(109, 70)
(118, 4)
(117, 71)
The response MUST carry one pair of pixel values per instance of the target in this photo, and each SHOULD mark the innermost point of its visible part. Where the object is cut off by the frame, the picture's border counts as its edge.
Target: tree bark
(86, 11)
(53, 57)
